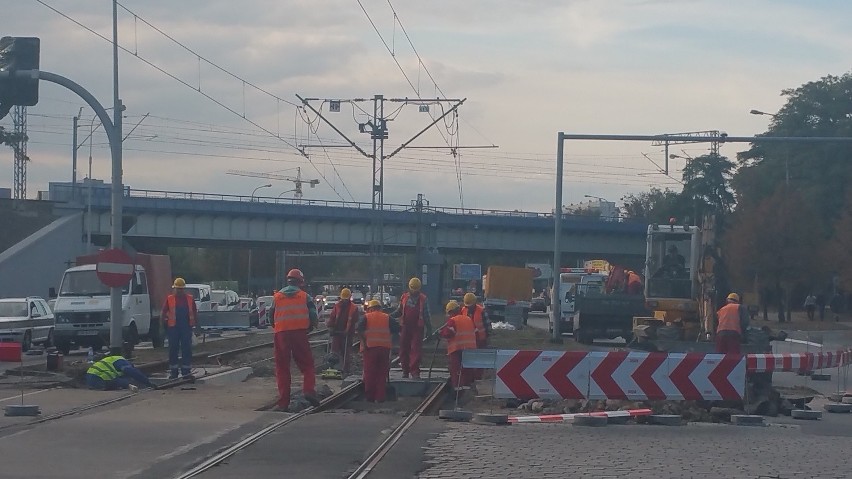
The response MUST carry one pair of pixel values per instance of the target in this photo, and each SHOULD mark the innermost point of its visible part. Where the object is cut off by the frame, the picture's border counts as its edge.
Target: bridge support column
(431, 273)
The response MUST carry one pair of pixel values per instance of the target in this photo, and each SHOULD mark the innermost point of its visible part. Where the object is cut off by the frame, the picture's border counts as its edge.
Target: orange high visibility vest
(465, 337)
(477, 319)
(729, 318)
(291, 312)
(171, 320)
(377, 333)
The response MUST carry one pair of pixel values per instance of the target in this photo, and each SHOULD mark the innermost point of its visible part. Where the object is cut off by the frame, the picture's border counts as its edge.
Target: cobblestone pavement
(636, 451)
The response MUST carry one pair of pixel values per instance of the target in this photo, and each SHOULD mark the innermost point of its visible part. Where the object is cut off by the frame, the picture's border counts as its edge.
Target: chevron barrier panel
(619, 375)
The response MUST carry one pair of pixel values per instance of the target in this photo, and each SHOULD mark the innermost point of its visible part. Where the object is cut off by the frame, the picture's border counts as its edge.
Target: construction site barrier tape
(570, 417)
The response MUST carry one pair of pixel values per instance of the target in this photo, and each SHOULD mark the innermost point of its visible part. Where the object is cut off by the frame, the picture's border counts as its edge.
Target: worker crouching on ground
(477, 313)
(733, 320)
(341, 325)
(179, 313)
(460, 333)
(294, 314)
(115, 372)
(414, 313)
(375, 329)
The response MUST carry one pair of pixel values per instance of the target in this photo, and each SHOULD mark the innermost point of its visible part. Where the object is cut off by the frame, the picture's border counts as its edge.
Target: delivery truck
(82, 307)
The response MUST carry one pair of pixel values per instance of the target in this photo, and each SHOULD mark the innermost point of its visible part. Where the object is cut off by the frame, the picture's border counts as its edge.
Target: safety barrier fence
(635, 375)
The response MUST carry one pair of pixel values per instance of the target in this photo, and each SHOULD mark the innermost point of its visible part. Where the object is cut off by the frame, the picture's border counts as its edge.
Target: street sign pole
(116, 320)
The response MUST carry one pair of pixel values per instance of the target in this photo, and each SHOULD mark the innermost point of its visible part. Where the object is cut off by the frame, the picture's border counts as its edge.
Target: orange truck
(507, 289)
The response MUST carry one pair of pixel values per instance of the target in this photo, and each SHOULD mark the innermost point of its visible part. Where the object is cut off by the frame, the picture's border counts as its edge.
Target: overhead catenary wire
(198, 88)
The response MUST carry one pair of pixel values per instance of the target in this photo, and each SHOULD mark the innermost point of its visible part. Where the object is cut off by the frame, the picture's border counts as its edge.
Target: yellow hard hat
(452, 306)
(345, 293)
(374, 303)
(179, 283)
(469, 299)
(734, 297)
(414, 284)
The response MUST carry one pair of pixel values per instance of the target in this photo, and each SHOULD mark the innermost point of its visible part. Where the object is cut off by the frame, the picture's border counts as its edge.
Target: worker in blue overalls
(179, 313)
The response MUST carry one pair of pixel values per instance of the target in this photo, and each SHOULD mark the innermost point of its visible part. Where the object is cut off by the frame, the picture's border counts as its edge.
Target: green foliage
(9, 139)
(655, 206)
(706, 183)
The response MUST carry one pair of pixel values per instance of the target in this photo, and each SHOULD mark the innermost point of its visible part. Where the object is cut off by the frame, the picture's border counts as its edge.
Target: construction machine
(685, 284)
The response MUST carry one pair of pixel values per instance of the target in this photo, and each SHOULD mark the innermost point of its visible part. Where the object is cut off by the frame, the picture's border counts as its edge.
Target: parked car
(224, 300)
(26, 321)
(201, 293)
(357, 297)
(538, 303)
(328, 305)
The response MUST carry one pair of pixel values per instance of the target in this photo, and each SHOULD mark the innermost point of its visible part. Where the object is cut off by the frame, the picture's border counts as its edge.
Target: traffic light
(18, 54)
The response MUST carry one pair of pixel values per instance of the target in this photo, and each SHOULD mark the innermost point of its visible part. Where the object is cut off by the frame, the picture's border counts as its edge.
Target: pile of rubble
(691, 411)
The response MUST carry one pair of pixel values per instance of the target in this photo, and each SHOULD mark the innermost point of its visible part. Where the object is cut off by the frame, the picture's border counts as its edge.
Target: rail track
(147, 368)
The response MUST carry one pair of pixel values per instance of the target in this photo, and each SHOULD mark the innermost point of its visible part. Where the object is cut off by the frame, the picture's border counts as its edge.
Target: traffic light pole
(113, 132)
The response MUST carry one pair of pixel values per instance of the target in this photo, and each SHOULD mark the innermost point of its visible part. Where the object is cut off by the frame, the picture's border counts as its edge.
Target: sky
(210, 86)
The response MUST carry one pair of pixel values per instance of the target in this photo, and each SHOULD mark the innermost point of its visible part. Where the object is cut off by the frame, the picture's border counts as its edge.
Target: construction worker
(413, 310)
(634, 283)
(375, 329)
(460, 333)
(477, 313)
(733, 320)
(294, 314)
(115, 372)
(179, 313)
(341, 325)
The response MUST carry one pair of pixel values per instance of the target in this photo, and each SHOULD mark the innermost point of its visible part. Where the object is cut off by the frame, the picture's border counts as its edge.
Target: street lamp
(758, 112)
(285, 192)
(255, 191)
(686, 157)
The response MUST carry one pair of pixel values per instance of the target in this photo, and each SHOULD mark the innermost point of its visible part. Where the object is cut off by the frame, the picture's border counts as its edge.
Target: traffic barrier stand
(549, 418)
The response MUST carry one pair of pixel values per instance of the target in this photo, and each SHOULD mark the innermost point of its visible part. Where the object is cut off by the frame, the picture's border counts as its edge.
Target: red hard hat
(296, 274)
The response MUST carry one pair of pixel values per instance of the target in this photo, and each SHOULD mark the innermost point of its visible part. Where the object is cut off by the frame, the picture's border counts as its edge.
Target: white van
(224, 300)
(201, 293)
(26, 321)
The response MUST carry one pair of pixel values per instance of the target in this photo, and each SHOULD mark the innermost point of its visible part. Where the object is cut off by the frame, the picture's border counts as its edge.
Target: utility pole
(418, 207)
(376, 127)
(19, 120)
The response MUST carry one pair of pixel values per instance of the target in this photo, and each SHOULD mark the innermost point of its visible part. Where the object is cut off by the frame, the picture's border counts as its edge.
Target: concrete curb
(666, 419)
(225, 378)
(806, 414)
(746, 420)
(837, 408)
(590, 421)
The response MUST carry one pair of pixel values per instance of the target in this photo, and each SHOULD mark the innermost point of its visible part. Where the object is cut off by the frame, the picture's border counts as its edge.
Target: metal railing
(63, 193)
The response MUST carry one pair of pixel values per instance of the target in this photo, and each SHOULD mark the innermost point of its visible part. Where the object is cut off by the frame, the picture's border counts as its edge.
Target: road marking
(26, 394)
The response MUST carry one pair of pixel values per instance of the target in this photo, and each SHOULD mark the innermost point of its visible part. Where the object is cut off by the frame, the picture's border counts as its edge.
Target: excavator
(685, 284)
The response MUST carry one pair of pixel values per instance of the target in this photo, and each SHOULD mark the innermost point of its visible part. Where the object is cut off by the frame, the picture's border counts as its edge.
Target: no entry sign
(114, 268)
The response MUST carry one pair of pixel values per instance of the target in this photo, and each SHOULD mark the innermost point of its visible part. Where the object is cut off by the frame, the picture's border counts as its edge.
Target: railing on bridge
(63, 192)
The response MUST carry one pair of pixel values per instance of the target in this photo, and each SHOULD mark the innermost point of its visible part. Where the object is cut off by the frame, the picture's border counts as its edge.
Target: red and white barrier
(570, 417)
(618, 375)
(767, 363)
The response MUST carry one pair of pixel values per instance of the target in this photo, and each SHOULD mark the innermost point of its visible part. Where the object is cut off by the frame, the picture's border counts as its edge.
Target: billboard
(540, 270)
(467, 272)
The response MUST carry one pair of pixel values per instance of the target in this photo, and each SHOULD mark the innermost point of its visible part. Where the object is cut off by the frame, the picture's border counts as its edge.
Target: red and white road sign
(619, 375)
(114, 268)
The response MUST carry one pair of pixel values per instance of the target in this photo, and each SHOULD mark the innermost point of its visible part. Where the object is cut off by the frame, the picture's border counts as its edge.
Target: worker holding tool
(115, 372)
(460, 333)
(294, 314)
(341, 326)
(733, 320)
(414, 313)
(375, 329)
(179, 313)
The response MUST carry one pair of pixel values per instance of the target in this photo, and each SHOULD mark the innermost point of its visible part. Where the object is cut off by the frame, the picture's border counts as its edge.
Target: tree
(706, 183)
(9, 139)
(819, 171)
(776, 240)
(654, 206)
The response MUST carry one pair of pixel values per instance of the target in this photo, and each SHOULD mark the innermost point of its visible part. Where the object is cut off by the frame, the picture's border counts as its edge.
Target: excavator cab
(671, 284)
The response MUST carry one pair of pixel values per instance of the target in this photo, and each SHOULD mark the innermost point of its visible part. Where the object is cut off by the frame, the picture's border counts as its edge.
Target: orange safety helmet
(296, 274)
